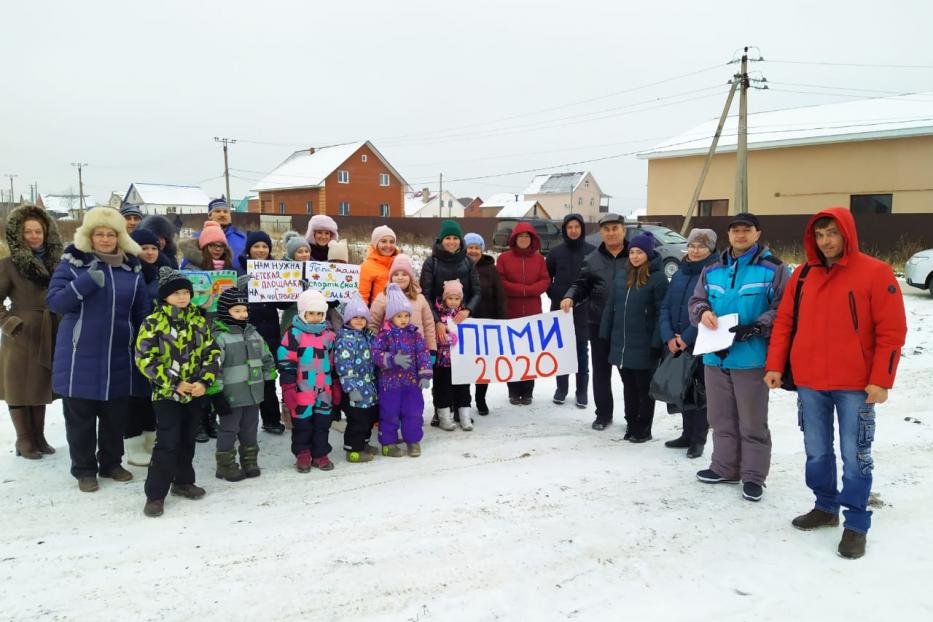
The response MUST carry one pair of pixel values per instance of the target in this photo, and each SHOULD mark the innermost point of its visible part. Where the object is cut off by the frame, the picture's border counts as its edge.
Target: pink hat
(396, 302)
(320, 222)
(452, 288)
(402, 263)
(212, 232)
(380, 232)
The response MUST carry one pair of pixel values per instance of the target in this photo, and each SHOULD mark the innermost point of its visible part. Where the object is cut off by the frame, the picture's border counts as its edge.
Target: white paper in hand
(709, 340)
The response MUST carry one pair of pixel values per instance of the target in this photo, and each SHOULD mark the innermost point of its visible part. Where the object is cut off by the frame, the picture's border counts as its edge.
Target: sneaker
(599, 425)
(274, 428)
(852, 544)
(560, 398)
(391, 451)
(582, 401)
(88, 483)
(814, 519)
(117, 474)
(414, 449)
(303, 461)
(154, 507)
(639, 439)
(709, 476)
(525, 401)
(696, 450)
(678, 443)
(188, 491)
(322, 463)
(514, 400)
(752, 491)
(359, 456)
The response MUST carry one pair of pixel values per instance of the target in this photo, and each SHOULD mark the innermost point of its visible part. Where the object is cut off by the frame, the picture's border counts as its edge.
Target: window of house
(171, 209)
(591, 201)
(579, 200)
(713, 207)
(363, 158)
(587, 183)
(604, 209)
(383, 179)
(871, 203)
(282, 207)
(450, 203)
(308, 207)
(384, 210)
(344, 208)
(343, 177)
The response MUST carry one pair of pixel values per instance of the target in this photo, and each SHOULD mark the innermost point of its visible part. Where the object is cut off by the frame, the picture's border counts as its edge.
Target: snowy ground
(533, 516)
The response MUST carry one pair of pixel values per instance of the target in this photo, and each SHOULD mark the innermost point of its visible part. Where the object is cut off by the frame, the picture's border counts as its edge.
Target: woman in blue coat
(99, 291)
(630, 323)
(679, 334)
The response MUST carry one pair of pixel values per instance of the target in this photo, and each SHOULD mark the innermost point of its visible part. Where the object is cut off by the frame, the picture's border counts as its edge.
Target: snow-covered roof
(416, 206)
(304, 169)
(168, 194)
(517, 209)
(500, 198)
(554, 183)
(65, 203)
(866, 119)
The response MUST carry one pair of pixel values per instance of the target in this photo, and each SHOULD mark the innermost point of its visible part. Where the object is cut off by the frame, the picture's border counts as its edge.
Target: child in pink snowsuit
(404, 363)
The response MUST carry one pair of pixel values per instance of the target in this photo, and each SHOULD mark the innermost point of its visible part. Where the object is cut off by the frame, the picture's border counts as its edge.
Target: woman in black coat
(492, 304)
(448, 262)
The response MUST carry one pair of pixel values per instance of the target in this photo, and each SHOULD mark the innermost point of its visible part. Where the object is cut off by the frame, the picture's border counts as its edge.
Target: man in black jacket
(593, 289)
(564, 263)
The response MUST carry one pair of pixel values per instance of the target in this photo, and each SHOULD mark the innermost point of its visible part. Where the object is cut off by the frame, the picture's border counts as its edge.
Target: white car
(919, 270)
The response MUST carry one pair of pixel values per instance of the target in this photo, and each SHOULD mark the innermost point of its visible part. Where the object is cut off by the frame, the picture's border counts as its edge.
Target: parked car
(919, 270)
(669, 244)
(548, 231)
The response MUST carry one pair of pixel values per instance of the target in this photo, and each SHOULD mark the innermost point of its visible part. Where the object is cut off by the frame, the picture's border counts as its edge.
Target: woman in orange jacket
(374, 273)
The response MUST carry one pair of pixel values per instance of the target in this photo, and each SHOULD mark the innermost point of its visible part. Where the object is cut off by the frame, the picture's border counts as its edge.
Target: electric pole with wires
(80, 166)
(226, 141)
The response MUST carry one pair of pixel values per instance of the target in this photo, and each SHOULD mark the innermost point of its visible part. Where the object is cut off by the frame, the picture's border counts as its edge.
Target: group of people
(108, 325)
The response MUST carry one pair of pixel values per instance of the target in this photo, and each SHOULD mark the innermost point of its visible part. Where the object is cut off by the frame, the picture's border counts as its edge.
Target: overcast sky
(470, 89)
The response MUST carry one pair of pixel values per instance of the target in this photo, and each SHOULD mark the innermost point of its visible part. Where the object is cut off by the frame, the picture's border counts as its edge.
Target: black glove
(744, 332)
(220, 404)
(722, 354)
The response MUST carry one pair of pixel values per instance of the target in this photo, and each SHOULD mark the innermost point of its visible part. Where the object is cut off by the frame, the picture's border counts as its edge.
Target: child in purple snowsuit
(404, 363)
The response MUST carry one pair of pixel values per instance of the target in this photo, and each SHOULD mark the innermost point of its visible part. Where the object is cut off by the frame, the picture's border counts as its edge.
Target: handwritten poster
(208, 285)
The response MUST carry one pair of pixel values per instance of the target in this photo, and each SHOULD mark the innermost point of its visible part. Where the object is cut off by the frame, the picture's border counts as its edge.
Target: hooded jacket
(851, 323)
(374, 274)
(353, 360)
(564, 263)
(630, 322)
(165, 230)
(524, 274)
(421, 316)
(444, 266)
(246, 364)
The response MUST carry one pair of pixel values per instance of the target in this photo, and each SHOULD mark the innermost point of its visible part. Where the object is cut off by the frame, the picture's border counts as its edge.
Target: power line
(835, 64)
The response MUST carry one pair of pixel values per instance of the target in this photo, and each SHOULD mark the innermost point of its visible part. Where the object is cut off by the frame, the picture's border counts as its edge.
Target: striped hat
(231, 297)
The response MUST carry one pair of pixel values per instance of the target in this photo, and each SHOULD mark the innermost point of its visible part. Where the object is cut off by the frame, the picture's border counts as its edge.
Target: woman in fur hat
(28, 327)
(99, 290)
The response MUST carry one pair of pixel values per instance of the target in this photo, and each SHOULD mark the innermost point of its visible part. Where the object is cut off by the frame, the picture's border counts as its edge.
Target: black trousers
(481, 390)
(176, 426)
(639, 407)
(445, 394)
(269, 409)
(311, 433)
(94, 425)
(360, 422)
(140, 417)
(602, 377)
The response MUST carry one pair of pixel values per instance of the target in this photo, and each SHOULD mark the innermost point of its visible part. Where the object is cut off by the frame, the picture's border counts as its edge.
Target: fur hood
(191, 252)
(36, 269)
(104, 217)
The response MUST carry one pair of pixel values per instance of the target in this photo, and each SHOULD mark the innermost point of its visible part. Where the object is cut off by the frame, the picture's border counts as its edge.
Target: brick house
(343, 180)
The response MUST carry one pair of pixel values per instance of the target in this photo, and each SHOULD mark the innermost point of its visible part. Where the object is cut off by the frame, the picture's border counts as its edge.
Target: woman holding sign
(524, 277)
(321, 230)
(630, 323)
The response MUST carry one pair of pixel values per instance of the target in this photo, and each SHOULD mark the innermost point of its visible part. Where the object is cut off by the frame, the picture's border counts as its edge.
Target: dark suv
(669, 244)
(548, 231)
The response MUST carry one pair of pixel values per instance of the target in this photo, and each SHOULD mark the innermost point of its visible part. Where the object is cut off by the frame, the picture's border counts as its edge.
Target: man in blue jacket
(218, 210)
(747, 280)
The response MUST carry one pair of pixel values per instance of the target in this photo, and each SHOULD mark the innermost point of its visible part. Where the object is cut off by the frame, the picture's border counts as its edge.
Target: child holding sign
(306, 363)
(447, 395)
(353, 360)
(405, 370)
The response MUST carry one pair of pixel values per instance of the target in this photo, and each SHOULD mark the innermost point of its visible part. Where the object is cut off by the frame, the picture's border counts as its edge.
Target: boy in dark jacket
(492, 304)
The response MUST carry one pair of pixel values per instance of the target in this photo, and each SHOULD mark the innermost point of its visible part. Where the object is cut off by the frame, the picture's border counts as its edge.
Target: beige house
(564, 193)
(873, 156)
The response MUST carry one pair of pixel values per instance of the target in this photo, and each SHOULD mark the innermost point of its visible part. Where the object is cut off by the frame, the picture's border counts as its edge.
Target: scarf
(114, 261)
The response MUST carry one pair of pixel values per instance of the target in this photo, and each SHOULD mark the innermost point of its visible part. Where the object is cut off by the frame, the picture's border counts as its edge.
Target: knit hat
(380, 232)
(231, 297)
(218, 203)
(170, 281)
(396, 302)
(355, 308)
(311, 300)
(706, 237)
(450, 227)
(402, 263)
(644, 241)
(321, 222)
(144, 237)
(474, 239)
(452, 288)
(130, 209)
(294, 241)
(257, 236)
(337, 251)
(211, 233)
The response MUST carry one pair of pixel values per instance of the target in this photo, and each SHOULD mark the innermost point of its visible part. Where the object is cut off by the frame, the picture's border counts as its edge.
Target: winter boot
(852, 545)
(210, 424)
(88, 483)
(201, 436)
(583, 386)
(695, 450)
(303, 461)
(38, 429)
(371, 449)
(249, 460)
(414, 449)
(435, 422)
(117, 474)
(525, 400)
(136, 451)
(391, 451)
(154, 508)
(563, 384)
(227, 468)
(445, 421)
(681, 442)
(359, 456)
(466, 422)
(482, 408)
(322, 463)
(188, 491)
(814, 519)
(25, 444)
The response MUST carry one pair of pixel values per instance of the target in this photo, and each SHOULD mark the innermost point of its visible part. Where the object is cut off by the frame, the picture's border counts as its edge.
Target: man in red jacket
(850, 327)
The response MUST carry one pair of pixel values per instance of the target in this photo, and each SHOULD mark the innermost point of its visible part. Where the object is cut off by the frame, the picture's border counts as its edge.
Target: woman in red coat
(524, 277)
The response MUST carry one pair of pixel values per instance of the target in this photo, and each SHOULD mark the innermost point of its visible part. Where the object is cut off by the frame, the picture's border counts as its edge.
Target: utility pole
(226, 141)
(741, 151)
(440, 198)
(80, 166)
(11, 176)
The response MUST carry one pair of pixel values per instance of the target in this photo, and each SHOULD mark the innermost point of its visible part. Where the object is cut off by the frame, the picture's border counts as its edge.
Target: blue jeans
(856, 433)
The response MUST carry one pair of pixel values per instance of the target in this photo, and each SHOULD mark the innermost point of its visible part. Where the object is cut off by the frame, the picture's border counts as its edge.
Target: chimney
(425, 195)
(311, 150)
